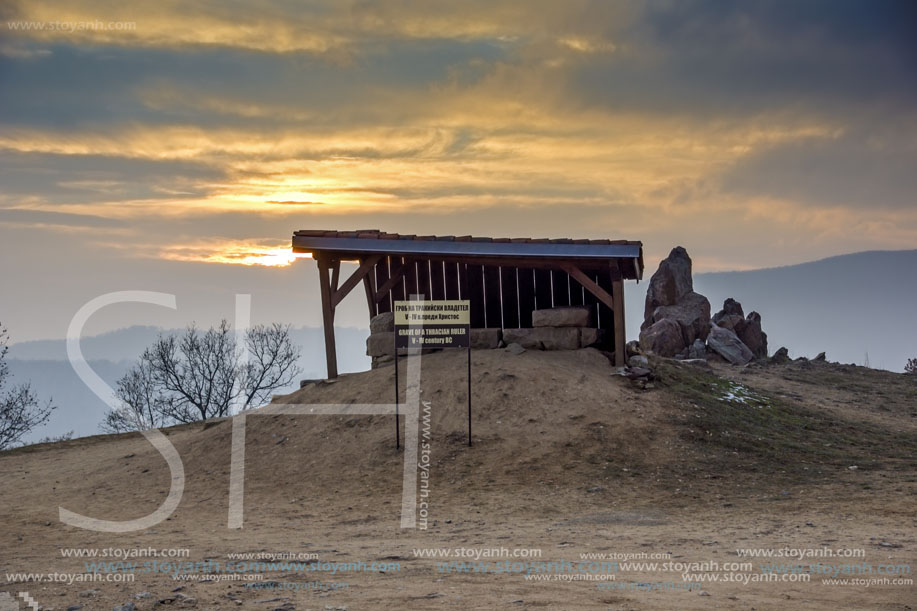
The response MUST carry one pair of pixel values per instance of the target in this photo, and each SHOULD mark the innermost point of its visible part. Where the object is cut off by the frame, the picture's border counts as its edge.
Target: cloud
(868, 166)
(25, 216)
(707, 57)
(23, 52)
(67, 179)
(249, 252)
(337, 30)
(624, 118)
(295, 203)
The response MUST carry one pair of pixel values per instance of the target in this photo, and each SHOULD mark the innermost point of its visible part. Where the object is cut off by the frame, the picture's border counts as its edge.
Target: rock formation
(670, 283)
(753, 337)
(670, 299)
(677, 320)
(663, 338)
(727, 344)
(747, 329)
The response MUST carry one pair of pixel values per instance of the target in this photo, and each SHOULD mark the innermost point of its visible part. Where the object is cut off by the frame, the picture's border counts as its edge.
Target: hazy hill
(45, 364)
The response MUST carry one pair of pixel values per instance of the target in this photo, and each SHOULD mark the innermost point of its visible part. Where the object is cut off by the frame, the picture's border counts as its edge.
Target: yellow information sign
(432, 324)
(440, 312)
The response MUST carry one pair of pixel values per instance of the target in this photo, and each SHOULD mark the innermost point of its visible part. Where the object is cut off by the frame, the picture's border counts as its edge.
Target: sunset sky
(176, 146)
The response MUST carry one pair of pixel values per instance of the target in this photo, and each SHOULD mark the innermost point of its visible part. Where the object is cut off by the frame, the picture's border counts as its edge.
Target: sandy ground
(568, 460)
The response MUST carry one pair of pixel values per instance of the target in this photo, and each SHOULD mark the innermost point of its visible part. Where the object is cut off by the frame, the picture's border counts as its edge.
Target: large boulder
(752, 336)
(486, 339)
(669, 284)
(781, 356)
(382, 323)
(692, 313)
(544, 338)
(730, 307)
(590, 336)
(747, 329)
(733, 322)
(731, 316)
(663, 337)
(380, 344)
(382, 361)
(572, 316)
(728, 345)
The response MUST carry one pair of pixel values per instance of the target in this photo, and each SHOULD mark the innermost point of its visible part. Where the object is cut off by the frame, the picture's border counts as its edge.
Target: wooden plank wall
(500, 296)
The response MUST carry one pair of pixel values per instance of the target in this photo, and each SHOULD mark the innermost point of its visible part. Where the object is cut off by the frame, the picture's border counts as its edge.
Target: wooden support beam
(410, 278)
(526, 296)
(615, 270)
(606, 314)
(587, 282)
(493, 305)
(475, 283)
(382, 301)
(437, 280)
(389, 284)
(354, 279)
(324, 265)
(617, 293)
(452, 280)
(502, 261)
(543, 299)
(423, 279)
(510, 297)
(369, 283)
(335, 275)
(560, 292)
(397, 290)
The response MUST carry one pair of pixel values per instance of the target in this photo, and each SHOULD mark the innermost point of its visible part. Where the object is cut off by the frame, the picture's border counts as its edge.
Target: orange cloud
(248, 253)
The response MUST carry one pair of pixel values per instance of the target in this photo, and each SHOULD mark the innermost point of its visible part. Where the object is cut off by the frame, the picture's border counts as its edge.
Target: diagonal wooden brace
(590, 285)
(389, 284)
(354, 279)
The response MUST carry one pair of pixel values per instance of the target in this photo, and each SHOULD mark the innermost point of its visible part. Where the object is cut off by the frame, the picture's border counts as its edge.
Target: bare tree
(142, 405)
(20, 410)
(911, 366)
(272, 363)
(196, 374)
(201, 375)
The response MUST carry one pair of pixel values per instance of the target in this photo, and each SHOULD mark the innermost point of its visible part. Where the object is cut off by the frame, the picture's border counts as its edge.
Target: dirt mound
(568, 457)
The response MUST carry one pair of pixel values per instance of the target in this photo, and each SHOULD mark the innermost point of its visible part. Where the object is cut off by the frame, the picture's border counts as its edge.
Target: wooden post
(617, 294)
(324, 266)
(368, 284)
(335, 276)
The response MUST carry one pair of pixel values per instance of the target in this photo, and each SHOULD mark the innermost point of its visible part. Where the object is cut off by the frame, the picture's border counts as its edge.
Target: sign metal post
(432, 324)
(397, 436)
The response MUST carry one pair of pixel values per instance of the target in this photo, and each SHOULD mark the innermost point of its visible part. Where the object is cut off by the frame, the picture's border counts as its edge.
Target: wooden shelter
(505, 279)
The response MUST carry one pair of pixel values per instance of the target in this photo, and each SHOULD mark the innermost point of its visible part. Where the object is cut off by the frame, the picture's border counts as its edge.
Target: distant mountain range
(858, 308)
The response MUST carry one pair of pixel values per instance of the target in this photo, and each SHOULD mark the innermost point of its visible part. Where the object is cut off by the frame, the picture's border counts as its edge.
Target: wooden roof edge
(374, 234)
